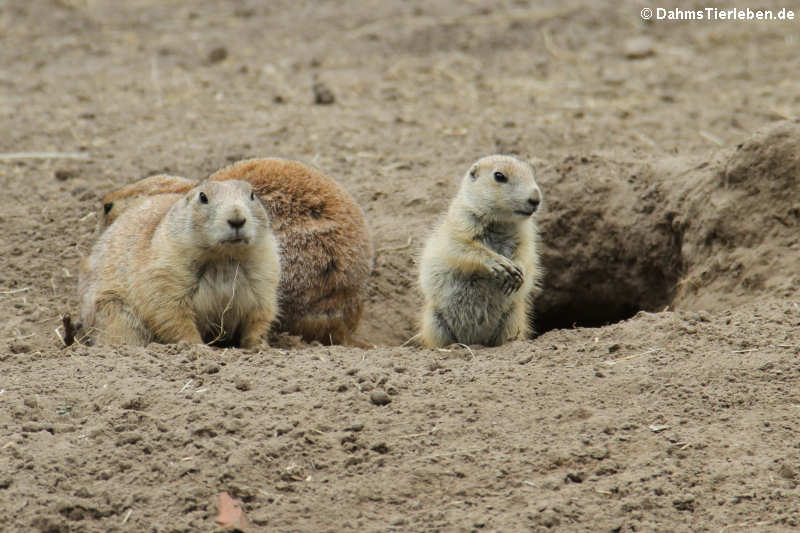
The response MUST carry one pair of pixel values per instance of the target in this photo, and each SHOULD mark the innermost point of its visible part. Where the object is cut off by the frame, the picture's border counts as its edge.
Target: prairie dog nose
(535, 199)
(237, 221)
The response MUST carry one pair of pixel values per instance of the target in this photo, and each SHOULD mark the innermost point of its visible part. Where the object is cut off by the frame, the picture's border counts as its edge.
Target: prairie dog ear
(473, 172)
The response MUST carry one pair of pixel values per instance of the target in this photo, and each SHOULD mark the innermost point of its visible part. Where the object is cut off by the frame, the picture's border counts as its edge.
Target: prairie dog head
(502, 188)
(119, 200)
(221, 215)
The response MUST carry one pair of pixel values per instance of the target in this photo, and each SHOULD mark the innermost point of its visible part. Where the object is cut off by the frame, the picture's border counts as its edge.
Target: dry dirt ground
(662, 392)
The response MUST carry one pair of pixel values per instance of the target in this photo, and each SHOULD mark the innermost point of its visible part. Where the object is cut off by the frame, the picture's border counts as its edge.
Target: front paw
(250, 342)
(508, 274)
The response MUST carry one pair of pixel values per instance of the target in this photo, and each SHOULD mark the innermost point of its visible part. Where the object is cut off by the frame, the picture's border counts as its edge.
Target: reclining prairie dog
(481, 264)
(326, 248)
(202, 267)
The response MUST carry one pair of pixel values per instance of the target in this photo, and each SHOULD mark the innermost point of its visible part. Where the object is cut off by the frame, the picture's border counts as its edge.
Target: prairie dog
(478, 269)
(117, 201)
(202, 267)
(326, 248)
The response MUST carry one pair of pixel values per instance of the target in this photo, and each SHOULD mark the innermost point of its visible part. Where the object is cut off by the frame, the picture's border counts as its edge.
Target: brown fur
(168, 270)
(326, 249)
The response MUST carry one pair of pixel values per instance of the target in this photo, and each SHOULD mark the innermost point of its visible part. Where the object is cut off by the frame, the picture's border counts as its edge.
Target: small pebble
(786, 471)
(217, 54)
(63, 174)
(379, 397)
(322, 94)
(381, 448)
(242, 384)
(17, 347)
(290, 389)
(575, 477)
(525, 359)
(684, 503)
(598, 453)
(639, 47)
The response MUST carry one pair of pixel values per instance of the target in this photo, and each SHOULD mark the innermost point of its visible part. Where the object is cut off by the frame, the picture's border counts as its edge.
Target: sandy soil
(661, 393)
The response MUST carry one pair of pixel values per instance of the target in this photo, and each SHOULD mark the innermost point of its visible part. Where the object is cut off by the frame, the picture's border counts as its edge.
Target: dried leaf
(230, 515)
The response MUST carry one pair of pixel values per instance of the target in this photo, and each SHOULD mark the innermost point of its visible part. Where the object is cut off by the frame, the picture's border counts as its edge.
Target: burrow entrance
(619, 238)
(610, 279)
(608, 250)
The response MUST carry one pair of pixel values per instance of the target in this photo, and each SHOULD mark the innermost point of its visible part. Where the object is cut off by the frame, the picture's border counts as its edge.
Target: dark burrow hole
(609, 283)
(584, 315)
(609, 246)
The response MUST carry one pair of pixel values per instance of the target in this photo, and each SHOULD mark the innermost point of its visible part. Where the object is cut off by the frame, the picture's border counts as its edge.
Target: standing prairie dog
(202, 267)
(481, 264)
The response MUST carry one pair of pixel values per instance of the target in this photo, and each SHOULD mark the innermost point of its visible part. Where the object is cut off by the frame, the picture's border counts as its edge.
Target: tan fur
(326, 249)
(481, 264)
(121, 199)
(172, 268)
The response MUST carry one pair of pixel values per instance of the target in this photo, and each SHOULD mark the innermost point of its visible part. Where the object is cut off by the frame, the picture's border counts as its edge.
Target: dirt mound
(619, 238)
(740, 220)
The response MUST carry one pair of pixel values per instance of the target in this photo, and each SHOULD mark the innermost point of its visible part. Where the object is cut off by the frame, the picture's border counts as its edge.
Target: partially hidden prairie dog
(117, 201)
(202, 267)
(481, 264)
(326, 248)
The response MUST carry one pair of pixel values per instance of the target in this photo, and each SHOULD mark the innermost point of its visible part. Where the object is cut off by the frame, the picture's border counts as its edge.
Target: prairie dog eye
(108, 207)
(499, 177)
(252, 195)
(203, 198)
